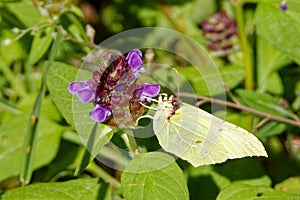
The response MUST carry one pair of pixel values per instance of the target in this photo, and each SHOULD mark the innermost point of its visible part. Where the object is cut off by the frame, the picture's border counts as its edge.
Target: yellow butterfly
(198, 136)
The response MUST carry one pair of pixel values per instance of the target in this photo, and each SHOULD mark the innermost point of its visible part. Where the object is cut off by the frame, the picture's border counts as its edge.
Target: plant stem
(129, 140)
(241, 107)
(249, 79)
(99, 172)
(31, 134)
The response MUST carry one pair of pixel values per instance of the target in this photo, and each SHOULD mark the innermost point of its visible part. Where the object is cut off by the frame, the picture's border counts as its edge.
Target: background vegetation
(43, 44)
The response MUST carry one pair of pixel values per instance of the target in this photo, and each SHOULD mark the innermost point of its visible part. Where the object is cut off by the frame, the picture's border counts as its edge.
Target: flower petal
(83, 90)
(134, 59)
(86, 95)
(149, 90)
(75, 86)
(99, 113)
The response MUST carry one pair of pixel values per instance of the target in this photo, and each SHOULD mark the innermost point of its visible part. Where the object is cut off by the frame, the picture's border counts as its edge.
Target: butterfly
(198, 136)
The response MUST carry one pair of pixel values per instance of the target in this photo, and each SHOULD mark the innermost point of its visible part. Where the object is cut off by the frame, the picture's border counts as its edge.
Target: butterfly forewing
(202, 139)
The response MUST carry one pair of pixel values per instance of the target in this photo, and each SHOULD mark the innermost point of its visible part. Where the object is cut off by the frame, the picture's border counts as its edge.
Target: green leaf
(262, 181)
(271, 128)
(74, 26)
(153, 176)
(25, 12)
(210, 81)
(40, 45)
(263, 102)
(12, 133)
(279, 28)
(14, 51)
(68, 190)
(290, 185)
(240, 119)
(59, 76)
(269, 60)
(244, 191)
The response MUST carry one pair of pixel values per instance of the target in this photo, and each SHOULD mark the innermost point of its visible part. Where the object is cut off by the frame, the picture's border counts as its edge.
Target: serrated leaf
(153, 176)
(244, 191)
(41, 43)
(270, 23)
(68, 190)
(59, 76)
(13, 132)
(290, 185)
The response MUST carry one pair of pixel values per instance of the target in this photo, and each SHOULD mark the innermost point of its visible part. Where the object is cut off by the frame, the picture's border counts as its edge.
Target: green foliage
(74, 189)
(153, 176)
(270, 22)
(69, 145)
(59, 77)
(290, 185)
(12, 133)
(244, 191)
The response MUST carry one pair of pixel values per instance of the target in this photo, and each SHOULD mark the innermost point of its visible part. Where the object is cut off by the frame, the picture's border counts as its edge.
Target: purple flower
(134, 59)
(84, 91)
(148, 90)
(100, 113)
(283, 6)
(115, 90)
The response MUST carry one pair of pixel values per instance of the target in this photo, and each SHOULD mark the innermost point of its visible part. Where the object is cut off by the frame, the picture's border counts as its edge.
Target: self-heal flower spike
(83, 90)
(115, 89)
(221, 34)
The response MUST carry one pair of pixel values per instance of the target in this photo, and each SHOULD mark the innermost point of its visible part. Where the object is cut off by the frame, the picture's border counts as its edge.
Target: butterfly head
(168, 104)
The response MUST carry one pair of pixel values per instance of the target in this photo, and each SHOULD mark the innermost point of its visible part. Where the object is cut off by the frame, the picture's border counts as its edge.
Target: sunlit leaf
(290, 185)
(40, 45)
(153, 176)
(244, 191)
(25, 12)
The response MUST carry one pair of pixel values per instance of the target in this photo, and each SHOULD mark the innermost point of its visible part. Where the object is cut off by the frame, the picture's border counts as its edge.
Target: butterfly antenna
(177, 76)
